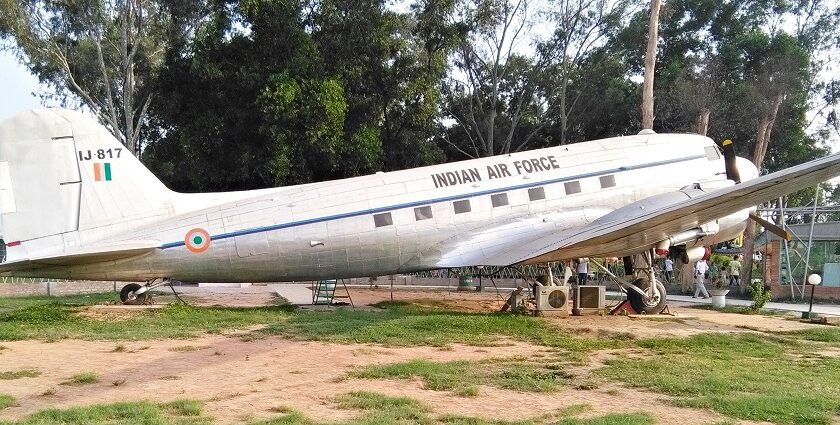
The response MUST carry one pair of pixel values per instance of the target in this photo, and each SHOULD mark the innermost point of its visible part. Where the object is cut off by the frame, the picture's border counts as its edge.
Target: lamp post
(813, 280)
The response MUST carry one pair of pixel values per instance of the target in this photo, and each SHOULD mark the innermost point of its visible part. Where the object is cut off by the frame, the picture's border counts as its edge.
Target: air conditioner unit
(589, 299)
(553, 300)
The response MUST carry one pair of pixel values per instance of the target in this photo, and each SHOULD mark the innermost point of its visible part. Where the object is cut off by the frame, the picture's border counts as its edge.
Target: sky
(16, 87)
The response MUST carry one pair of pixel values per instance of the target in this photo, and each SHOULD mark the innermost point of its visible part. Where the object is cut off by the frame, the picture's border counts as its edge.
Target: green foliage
(760, 296)
(463, 377)
(744, 376)
(819, 334)
(17, 374)
(612, 419)
(180, 412)
(255, 93)
(7, 401)
(398, 324)
(83, 378)
(50, 318)
(402, 324)
(381, 409)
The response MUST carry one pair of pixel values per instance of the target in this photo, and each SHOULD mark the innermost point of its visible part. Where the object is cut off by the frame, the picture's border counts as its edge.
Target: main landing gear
(135, 294)
(644, 297)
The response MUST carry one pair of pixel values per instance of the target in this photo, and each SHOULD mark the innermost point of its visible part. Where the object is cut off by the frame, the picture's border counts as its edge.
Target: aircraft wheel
(126, 294)
(644, 304)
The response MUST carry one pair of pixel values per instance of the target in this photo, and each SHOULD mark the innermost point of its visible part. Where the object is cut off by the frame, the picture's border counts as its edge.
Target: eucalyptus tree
(101, 53)
(572, 54)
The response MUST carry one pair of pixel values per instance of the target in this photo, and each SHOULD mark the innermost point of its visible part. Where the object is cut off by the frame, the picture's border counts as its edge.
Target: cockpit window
(712, 153)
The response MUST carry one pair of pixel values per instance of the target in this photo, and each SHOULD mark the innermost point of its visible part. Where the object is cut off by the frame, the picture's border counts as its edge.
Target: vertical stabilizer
(64, 180)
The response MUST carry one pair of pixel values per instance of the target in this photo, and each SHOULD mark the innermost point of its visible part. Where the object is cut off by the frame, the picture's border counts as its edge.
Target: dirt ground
(242, 380)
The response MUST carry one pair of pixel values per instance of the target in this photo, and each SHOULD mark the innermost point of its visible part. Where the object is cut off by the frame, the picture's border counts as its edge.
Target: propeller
(730, 159)
(732, 174)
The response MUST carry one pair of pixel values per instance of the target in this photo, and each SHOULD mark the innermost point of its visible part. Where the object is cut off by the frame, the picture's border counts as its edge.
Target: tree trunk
(765, 129)
(701, 124)
(650, 64)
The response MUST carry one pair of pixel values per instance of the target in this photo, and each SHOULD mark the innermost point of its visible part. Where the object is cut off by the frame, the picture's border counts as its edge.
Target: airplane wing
(105, 253)
(541, 241)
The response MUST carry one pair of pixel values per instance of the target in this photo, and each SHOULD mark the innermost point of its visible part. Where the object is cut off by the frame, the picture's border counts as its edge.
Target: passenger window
(423, 213)
(382, 220)
(461, 206)
(572, 187)
(499, 199)
(536, 193)
(607, 181)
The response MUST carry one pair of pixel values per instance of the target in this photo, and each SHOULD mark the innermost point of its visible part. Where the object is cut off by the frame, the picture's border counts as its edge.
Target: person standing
(700, 270)
(583, 271)
(735, 271)
(669, 269)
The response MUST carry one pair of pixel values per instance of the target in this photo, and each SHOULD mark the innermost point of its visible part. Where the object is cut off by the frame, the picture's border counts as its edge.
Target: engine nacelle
(691, 255)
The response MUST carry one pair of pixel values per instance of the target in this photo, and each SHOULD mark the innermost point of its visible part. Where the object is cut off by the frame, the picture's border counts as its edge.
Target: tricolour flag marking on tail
(102, 171)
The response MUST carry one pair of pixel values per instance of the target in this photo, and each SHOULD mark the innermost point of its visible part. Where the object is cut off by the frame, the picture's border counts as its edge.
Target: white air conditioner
(589, 299)
(553, 300)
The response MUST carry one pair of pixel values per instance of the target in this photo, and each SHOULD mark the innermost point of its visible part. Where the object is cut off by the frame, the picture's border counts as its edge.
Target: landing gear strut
(135, 294)
(649, 298)
(644, 297)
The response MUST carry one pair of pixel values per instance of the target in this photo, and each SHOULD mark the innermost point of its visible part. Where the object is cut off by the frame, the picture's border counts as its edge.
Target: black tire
(126, 291)
(637, 300)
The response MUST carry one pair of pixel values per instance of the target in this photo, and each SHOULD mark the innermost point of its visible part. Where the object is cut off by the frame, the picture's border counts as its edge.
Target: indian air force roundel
(197, 240)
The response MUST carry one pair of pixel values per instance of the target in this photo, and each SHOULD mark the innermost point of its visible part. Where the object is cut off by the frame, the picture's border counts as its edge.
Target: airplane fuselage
(400, 221)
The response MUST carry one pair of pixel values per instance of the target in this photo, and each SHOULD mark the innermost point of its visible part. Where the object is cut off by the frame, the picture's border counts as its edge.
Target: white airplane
(76, 205)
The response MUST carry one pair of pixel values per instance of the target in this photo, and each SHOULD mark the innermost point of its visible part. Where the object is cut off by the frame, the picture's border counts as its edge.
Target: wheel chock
(623, 309)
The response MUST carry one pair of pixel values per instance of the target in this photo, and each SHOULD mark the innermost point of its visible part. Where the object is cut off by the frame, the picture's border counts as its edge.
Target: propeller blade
(772, 228)
(729, 157)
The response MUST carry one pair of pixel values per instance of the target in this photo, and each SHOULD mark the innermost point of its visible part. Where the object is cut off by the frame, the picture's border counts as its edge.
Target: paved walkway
(296, 293)
(830, 309)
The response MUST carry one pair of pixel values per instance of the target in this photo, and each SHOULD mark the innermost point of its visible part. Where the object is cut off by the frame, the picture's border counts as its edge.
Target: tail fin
(61, 172)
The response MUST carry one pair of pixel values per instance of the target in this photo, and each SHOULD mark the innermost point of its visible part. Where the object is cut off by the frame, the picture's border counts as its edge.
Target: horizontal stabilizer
(105, 253)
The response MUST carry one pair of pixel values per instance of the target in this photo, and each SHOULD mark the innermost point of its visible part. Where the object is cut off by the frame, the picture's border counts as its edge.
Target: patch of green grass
(745, 376)
(402, 324)
(466, 420)
(184, 348)
(17, 374)
(182, 407)
(818, 334)
(396, 324)
(378, 409)
(381, 409)
(468, 391)
(742, 309)
(57, 320)
(15, 303)
(7, 401)
(574, 410)
(83, 378)
(612, 419)
(180, 412)
(462, 376)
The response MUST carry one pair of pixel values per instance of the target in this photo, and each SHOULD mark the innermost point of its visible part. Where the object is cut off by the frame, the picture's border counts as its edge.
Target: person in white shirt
(700, 270)
(669, 270)
(583, 271)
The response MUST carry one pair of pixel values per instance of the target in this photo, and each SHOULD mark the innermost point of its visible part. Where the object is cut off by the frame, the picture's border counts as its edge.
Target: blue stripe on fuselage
(433, 201)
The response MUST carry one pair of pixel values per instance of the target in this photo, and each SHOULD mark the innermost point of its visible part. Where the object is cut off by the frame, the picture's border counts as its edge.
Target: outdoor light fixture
(813, 280)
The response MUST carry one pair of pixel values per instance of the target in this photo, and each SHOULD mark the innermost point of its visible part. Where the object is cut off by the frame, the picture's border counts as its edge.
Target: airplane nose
(746, 168)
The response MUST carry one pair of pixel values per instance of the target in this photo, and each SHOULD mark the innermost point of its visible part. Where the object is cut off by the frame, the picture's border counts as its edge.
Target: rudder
(65, 180)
